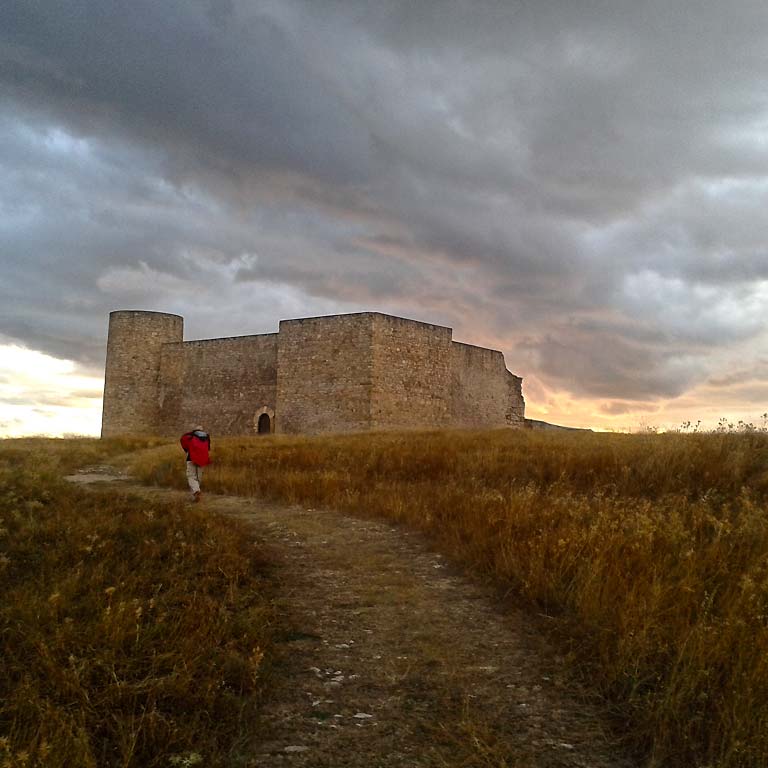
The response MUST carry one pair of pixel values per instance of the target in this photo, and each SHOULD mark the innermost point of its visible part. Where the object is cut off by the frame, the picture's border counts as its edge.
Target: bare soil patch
(390, 657)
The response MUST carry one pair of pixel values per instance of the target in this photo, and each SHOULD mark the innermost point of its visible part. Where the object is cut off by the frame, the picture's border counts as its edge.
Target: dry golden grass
(64, 455)
(132, 632)
(649, 552)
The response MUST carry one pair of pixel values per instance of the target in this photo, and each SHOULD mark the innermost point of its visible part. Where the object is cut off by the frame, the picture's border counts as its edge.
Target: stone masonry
(341, 373)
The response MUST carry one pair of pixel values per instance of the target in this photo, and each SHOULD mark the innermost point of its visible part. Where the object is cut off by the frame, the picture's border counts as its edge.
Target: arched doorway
(264, 421)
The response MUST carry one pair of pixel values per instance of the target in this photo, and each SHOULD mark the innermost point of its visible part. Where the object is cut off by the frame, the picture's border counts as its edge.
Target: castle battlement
(336, 373)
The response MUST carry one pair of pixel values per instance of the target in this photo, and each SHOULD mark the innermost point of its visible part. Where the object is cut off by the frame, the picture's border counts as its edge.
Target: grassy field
(133, 633)
(649, 553)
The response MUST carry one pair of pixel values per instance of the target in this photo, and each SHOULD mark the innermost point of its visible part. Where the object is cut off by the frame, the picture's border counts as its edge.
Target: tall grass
(649, 552)
(132, 632)
(64, 455)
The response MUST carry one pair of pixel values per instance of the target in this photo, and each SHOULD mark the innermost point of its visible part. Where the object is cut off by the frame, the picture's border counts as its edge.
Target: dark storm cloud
(618, 408)
(70, 215)
(604, 365)
(226, 88)
(756, 373)
(581, 184)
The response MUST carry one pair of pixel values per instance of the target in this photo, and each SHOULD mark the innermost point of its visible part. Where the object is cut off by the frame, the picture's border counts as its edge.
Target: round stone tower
(131, 375)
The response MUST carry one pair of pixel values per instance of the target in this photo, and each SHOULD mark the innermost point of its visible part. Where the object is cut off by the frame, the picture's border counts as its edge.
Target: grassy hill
(649, 552)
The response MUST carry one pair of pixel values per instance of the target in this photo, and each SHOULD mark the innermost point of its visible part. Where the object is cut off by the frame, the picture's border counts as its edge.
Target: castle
(340, 373)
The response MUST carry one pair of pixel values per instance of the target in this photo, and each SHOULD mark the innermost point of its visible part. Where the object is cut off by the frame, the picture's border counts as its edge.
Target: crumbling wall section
(324, 377)
(220, 383)
(411, 374)
(515, 413)
(484, 394)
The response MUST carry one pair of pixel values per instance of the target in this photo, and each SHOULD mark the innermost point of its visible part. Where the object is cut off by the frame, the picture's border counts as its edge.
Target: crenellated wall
(323, 374)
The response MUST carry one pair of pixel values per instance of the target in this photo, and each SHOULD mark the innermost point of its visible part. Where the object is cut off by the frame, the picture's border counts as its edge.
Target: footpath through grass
(132, 632)
(649, 552)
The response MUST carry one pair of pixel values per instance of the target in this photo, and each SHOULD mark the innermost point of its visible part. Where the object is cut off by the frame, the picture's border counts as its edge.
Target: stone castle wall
(411, 374)
(221, 383)
(325, 374)
(483, 392)
(514, 414)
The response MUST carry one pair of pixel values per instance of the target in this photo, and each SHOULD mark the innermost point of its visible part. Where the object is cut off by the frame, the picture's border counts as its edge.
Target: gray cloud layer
(579, 183)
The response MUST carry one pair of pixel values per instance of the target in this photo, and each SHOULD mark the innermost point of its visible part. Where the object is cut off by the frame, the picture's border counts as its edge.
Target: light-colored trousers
(194, 476)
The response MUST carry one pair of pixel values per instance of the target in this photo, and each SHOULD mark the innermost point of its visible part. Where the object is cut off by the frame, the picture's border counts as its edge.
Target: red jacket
(196, 444)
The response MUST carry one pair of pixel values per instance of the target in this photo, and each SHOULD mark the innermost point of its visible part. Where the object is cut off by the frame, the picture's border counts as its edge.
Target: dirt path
(395, 659)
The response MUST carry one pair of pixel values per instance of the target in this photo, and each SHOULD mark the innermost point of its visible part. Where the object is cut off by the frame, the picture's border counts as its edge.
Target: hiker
(196, 443)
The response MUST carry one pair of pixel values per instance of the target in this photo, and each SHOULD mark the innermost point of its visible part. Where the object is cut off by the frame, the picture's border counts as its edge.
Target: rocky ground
(391, 657)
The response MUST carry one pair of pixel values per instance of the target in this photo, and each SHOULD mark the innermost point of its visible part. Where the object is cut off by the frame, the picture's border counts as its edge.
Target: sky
(582, 185)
